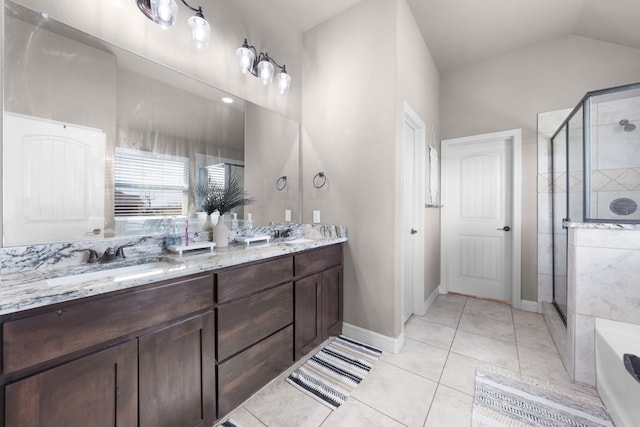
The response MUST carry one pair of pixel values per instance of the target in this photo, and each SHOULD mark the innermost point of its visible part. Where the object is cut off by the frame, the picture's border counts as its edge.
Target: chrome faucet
(111, 255)
(93, 255)
(120, 250)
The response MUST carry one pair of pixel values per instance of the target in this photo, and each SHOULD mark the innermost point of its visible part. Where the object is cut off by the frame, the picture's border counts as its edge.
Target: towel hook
(281, 183)
(319, 180)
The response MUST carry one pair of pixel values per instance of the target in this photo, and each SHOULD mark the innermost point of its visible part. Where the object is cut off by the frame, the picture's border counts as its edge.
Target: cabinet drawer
(244, 374)
(318, 260)
(247, 321)
(53, 334)
(244, 281)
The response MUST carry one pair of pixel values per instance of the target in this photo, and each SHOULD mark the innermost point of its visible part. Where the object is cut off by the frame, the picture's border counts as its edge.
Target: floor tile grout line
(377, 410)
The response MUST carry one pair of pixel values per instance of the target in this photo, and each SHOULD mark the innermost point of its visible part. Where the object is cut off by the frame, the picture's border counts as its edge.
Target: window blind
(150, 184)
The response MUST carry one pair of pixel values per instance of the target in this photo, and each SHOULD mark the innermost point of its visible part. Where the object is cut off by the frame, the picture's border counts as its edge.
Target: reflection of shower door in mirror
(559, 213)
(56, 181)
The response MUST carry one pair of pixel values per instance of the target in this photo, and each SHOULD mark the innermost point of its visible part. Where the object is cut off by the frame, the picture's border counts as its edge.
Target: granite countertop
(23, 291)
(601, 225)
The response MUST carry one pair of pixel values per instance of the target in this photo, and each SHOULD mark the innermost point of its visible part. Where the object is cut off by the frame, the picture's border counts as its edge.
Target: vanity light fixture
(165, 12)
(261, 65)
(227, 100)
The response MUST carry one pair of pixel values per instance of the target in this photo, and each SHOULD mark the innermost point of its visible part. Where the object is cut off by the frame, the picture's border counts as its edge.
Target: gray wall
(509, 91)
(357, 68)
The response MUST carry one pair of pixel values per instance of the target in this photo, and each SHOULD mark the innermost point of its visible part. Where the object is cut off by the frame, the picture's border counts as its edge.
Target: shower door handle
(505, 228)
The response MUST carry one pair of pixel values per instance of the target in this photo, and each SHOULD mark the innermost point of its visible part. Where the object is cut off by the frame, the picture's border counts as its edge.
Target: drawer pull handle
(59, 312)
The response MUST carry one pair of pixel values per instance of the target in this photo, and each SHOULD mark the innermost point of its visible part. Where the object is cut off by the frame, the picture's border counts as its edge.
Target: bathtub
(619, 391)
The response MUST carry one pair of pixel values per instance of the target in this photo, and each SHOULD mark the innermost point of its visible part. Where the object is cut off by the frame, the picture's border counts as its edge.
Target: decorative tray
(256, 238)
(179, 249)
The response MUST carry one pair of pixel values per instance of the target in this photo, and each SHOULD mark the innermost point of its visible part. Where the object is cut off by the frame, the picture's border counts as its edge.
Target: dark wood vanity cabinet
(176, 382)
(318, 297)
(181, 352)
(95, 390)
(270, 313)
(254, 318)
(140, 357)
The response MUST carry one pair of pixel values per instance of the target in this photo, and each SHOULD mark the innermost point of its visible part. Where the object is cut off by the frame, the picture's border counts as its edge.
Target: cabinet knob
(59, 312)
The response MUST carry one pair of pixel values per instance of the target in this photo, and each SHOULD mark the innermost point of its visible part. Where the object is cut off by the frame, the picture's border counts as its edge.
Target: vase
(208, 225)
(221, 233)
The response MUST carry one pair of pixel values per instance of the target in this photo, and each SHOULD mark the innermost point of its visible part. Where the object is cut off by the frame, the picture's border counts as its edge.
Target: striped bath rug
(332, 373)
(500, 401)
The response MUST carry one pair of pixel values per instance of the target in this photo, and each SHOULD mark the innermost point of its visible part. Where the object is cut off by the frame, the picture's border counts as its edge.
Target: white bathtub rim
(613, 339)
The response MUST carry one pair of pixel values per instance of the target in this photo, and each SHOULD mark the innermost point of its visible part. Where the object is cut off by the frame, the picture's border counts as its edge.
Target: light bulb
(245, 57)
(265, 71)
(164, 12)
(284, 82)
(200, 31)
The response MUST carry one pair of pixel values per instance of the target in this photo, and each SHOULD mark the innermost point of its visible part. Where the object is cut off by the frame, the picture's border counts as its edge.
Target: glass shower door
(559, 213)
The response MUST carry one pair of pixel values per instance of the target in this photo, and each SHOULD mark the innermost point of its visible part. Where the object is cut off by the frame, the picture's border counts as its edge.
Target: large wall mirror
(100, 142)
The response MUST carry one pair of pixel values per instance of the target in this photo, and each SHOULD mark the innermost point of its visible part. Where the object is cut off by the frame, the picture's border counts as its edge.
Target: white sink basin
(118, 274)
(298, 241)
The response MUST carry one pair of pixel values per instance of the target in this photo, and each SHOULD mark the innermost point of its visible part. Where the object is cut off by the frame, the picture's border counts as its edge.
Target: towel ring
(281, 183)
(319, 180)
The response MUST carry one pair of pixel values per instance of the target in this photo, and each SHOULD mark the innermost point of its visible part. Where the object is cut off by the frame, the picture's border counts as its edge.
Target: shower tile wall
(615, 159)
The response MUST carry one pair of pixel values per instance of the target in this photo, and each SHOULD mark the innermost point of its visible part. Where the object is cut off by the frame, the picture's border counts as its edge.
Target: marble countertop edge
(25, 291)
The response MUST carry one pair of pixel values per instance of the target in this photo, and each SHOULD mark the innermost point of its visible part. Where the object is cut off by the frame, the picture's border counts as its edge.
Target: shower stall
(595, 164)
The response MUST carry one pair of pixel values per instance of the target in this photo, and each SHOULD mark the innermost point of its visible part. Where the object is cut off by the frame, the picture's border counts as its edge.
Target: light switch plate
(287, 215)
(316, 217)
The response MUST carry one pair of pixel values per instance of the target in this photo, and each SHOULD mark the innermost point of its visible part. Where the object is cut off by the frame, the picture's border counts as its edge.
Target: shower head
(628, 127)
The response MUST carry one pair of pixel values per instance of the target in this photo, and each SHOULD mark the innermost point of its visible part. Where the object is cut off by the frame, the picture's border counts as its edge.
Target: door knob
(414, 231)
(505, 228)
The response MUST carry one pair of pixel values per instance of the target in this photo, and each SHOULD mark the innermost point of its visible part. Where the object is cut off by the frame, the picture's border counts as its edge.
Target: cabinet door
(308, 303)
(177, 375)
(96, 390)
(331, 302)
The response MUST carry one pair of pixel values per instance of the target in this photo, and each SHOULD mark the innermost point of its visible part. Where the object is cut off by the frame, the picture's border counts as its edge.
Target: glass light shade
(245, 57)
(284, 82)
(164, 12)
(200, 31)
(265, 71)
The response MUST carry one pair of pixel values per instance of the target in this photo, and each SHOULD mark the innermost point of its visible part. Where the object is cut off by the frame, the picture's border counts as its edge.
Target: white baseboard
(374, 339)
(431, 299)
(529, 306)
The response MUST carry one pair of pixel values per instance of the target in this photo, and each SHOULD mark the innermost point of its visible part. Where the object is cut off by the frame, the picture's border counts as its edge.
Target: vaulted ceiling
(460, 32)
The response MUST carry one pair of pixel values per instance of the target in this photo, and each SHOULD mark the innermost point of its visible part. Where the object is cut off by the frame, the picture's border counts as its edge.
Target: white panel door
(54, 182)
(476, 189)
(413, 238)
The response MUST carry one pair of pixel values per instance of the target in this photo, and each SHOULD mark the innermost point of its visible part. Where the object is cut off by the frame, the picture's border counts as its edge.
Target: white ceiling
(459, 32)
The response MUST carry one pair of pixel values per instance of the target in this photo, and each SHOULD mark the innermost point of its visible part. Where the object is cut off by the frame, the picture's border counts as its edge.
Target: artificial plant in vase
(222, 199)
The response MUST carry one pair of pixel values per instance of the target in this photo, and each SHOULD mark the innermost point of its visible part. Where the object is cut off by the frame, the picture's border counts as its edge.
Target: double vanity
(180, 342)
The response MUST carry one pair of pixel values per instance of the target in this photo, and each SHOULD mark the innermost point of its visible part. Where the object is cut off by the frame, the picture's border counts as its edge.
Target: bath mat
(502, 401)
(332, 373)
(229, 423)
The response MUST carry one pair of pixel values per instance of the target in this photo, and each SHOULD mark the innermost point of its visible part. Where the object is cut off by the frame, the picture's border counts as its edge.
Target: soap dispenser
(249, 226)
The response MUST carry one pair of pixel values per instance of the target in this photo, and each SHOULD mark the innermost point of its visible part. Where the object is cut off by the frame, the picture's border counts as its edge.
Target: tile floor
(431, 381)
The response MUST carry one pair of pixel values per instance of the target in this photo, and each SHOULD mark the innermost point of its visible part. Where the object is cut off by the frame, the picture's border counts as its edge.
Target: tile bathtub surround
(430, 382)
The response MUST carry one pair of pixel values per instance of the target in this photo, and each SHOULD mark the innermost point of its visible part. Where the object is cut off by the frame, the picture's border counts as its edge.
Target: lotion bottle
(249, 226)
